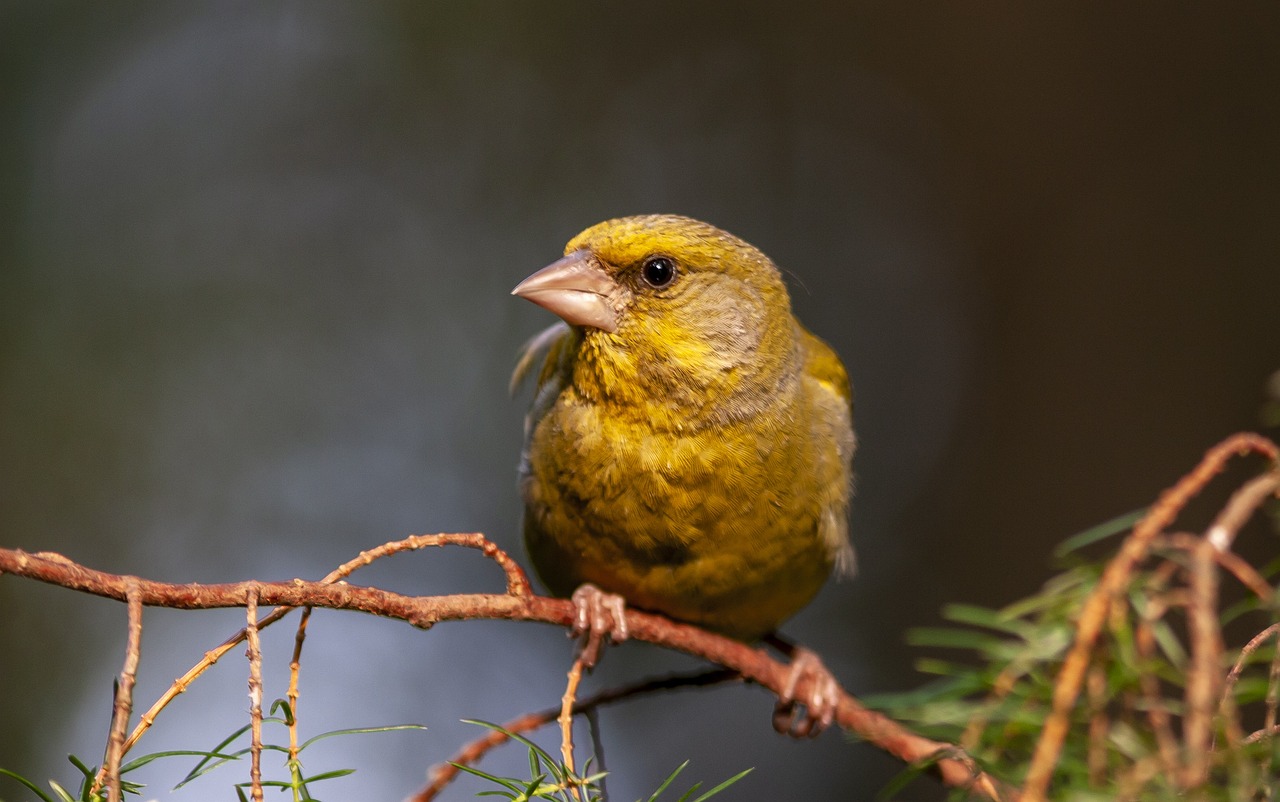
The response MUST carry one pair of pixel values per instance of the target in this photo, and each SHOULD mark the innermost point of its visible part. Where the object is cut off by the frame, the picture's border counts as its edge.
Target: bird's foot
(822, 695)
(598, 616)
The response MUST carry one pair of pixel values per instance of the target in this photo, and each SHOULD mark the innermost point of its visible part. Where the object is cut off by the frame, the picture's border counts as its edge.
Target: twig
(1116, 576)
(1245, 653)
(1269, 719)
(566, 723)
(1240, 507)
(471, 754)
(1273, 691)
(1229, 561)
(1203, 677)
(1216, 545)
(517, 579)
(295, 666)
(254, 653)
(123, 704)
(1258, 735)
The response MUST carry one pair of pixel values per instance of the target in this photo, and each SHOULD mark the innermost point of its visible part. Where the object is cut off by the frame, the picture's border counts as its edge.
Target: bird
(688, 449)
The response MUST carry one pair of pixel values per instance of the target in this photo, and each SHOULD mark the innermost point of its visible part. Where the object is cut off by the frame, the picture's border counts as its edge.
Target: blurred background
(254, 317)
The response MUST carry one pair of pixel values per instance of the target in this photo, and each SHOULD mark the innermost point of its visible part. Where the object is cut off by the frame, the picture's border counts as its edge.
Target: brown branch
(254, 653)
(1246, 652)
(426, 611)
(123, 705)
(1114, 579)
(1229, 561)
(295, 667)
(1242, 504)
(1203, 672)
(566, 722)
(517, 580)
(1272, 702)
(1258, 735)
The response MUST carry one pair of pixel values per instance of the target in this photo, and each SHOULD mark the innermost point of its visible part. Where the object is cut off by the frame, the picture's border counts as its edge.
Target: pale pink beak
(577, 289)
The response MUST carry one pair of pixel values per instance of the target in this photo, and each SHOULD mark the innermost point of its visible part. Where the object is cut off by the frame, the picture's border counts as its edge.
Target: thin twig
(254, 653)
(1203, 672)
(1256, 779)
(123, 704)
(295, 667)
(566, 723)
(1231, 562)
(1114, 578)
(1265, 732)
(1240, 507)
(1246, 574)
(1269, 719)
(1246, 652)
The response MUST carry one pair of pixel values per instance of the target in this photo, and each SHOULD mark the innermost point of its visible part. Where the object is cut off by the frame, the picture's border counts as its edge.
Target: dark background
(254, 318)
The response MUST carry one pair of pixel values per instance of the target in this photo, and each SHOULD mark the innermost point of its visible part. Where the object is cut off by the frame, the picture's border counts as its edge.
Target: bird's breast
(669, 493)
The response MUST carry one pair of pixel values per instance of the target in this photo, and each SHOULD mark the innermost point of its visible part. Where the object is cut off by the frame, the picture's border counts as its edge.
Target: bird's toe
(598, 616)
(807, 704)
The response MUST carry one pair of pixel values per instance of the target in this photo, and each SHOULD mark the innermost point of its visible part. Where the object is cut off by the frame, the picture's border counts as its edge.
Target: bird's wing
(823, 365)
(546, 342)
(558, 343)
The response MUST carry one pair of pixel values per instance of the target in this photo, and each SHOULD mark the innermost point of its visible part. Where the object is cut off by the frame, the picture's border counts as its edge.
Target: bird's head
(670, 307)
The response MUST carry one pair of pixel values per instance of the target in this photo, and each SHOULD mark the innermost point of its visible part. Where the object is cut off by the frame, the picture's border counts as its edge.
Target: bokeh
(255, 263)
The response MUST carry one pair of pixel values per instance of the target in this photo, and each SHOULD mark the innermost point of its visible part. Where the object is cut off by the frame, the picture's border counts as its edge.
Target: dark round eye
(658, 271)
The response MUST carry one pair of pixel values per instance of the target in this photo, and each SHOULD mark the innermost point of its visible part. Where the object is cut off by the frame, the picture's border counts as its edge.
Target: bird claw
(597, 616)
(819, 702)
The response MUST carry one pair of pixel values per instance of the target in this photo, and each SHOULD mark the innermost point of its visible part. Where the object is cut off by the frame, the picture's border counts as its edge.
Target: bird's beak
(577, 289)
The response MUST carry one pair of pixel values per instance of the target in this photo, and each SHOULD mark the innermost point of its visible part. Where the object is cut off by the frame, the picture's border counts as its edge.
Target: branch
(517, 605)
(1116, 576)
(123, 705)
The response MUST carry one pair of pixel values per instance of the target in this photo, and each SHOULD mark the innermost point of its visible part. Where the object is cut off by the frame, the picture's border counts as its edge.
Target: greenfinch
(689, 445)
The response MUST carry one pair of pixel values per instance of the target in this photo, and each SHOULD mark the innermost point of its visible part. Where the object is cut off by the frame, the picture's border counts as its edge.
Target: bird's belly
(713, 528)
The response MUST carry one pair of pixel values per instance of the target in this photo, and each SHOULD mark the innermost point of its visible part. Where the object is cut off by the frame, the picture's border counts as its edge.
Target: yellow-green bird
(689, 445)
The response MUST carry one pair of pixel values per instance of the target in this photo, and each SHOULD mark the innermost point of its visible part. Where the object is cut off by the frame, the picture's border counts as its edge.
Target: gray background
(254, 317)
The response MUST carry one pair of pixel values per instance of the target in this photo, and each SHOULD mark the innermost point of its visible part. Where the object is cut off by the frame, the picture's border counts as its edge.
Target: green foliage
(551, 779)
(993, 700)
(548, 778)
(299, 783)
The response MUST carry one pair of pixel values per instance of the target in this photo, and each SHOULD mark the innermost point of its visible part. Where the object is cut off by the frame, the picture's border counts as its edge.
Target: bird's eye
(658, 271)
